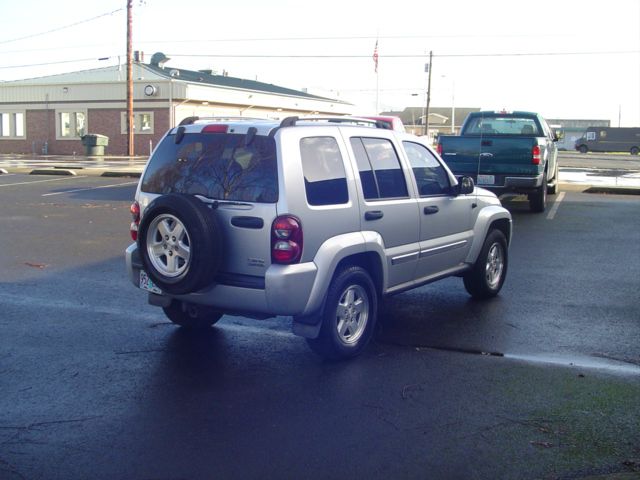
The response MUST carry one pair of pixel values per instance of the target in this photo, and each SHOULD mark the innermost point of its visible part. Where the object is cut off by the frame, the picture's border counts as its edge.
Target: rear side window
(216, 165)
(430, 175)
(325, 181)
(379, 166)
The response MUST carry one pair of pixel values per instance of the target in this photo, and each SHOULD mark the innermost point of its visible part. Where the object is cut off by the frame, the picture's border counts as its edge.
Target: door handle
(431, 210)
(373, 215)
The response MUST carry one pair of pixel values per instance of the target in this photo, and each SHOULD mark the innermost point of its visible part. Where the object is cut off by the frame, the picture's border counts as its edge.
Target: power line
(368, 56)
(51, 63)
(419, 56)
(60, 28)
(351, 37)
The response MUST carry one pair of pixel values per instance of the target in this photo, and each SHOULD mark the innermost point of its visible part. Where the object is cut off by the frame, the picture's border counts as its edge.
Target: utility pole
(426, 116)
(130, 149)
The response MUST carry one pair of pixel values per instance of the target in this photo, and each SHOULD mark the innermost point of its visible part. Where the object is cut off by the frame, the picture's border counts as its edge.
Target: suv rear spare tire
(180, 243)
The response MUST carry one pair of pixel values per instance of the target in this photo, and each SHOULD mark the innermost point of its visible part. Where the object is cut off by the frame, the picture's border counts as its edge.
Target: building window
(142, 122)
(12, 125)
(70, 125)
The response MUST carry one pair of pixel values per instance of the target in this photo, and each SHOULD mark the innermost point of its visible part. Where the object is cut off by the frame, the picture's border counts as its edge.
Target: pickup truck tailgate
(487, 159)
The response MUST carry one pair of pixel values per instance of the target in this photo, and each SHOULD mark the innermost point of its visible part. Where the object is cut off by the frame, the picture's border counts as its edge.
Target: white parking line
(556, 205)
(42, 181)
(88, 188)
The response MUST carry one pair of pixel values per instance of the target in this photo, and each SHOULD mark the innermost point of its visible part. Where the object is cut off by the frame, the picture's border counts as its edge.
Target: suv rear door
(386, 205)
(237, 174)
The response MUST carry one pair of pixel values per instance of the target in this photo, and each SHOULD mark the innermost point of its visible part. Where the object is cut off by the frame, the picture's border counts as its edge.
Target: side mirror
(465, 185)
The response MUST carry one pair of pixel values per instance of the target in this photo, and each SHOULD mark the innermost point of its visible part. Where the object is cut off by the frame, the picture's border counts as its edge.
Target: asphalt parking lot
(542, 382)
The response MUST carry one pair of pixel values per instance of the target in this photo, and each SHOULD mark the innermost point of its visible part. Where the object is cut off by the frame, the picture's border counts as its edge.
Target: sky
(565, 59)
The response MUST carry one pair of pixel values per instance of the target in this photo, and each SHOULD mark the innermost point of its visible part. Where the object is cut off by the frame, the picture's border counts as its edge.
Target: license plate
(486, 179)
(147, 284)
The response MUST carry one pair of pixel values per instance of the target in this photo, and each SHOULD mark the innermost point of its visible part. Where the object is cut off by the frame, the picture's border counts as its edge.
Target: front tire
(192, 316)
(487, 276)
(348, 316)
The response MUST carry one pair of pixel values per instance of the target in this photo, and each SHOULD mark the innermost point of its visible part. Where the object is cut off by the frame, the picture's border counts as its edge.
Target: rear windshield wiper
(216, 203)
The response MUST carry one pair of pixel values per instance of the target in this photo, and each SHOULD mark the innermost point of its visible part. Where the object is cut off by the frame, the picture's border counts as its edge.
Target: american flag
(375, 57)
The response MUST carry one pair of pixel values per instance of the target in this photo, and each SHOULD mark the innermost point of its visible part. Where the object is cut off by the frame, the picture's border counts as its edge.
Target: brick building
(49, 115)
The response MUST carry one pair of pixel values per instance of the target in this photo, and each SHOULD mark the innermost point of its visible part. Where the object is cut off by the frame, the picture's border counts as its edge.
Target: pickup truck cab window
(503, 125)
(379, 167)
(431, 177)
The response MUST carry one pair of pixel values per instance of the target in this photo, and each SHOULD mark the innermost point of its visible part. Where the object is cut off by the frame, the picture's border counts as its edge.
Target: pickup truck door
(446, 232)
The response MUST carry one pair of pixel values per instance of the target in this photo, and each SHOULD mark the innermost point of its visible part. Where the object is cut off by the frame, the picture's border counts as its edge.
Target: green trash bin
(94, 143)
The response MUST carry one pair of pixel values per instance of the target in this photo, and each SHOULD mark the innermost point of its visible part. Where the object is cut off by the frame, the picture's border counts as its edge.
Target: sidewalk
(105, 166)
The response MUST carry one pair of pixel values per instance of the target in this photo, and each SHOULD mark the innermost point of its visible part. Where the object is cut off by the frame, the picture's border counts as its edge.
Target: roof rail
(292, 121)
(192, 120)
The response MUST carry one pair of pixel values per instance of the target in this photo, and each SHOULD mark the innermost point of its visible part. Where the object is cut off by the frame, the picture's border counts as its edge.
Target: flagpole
(377, 93)
(375, 64)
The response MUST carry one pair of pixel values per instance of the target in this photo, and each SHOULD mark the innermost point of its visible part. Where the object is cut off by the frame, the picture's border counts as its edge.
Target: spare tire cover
(180, 243)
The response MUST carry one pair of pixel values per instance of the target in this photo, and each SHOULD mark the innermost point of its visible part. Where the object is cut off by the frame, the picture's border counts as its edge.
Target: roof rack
(292, 121)
(192, 120)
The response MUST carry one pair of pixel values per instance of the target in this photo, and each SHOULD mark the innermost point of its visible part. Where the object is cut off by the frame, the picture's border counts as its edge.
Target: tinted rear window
(503, 125)
(218, 166)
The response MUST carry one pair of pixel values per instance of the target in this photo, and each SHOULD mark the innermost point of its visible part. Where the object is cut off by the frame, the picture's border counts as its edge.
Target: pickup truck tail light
(439, 148)
(286, 240)
(135, 214)
(535, 155)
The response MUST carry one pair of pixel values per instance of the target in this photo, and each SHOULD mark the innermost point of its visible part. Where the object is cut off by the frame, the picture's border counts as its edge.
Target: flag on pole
(375, 57)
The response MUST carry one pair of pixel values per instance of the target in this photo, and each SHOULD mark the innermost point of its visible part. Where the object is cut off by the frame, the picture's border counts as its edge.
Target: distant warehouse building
(49, 115)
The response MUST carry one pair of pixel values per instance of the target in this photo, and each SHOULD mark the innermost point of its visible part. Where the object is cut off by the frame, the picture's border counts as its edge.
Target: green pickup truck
(506, 152)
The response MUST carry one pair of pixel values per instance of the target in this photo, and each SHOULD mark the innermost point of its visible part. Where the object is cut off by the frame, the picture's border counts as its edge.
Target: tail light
(439, 148)
(286, 240)
(135, 214)
(535, 155)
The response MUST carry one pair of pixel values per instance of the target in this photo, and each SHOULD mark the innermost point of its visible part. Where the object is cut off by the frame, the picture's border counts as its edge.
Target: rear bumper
(284, 290)
(518, 184)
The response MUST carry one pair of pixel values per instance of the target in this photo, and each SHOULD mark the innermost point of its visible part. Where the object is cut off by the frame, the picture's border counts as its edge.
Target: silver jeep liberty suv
(313, 218)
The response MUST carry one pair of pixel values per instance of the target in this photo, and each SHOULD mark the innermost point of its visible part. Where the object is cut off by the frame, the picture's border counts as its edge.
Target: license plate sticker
(147, 284)
(486, 179)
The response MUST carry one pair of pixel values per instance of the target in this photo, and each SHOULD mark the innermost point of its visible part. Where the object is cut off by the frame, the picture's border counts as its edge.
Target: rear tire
(538, 200)
(348, 316)
(634, 151)
(191, 315)
(553, 189)
(487, 276)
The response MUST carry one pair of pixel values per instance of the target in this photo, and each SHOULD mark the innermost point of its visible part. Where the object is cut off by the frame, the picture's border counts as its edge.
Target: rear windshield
(217, 165)
(507, 125)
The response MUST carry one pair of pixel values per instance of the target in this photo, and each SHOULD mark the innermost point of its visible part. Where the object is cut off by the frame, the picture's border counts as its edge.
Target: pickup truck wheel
(486, 277)
(583, 149)
(348, 316)
(634, 150)
(180, 243)
(553, 189)
(538, 200)
(192, 316)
